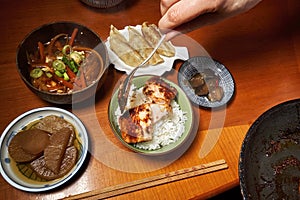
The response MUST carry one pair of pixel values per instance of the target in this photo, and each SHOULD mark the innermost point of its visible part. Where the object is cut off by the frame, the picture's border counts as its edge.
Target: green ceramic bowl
(181, 99)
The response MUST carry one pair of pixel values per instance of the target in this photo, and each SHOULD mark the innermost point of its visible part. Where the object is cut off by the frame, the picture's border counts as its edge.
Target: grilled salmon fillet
(158, 91)
(136, 124)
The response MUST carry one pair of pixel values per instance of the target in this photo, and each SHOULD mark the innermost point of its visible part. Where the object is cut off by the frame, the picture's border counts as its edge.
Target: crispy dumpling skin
(152, 35)
(141, 45)
(122, 49)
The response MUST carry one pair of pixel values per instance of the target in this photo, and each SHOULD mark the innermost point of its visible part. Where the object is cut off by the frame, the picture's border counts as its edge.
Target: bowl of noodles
(62, 62)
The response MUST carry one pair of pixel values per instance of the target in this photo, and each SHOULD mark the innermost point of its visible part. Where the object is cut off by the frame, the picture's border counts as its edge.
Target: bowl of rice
(169, 134)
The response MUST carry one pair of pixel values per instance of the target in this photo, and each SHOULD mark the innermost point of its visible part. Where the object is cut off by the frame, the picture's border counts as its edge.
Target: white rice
(166, 131)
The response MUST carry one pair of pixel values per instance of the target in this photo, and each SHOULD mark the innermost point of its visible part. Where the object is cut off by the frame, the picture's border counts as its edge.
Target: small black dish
(199, 64)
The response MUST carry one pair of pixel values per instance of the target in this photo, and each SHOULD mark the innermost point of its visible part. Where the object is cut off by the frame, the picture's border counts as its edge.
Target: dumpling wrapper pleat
(152, 35)
(122, 49)
(140, 44)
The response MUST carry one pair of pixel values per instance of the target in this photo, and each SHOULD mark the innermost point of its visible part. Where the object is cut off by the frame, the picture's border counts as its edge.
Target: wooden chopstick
(152, 181)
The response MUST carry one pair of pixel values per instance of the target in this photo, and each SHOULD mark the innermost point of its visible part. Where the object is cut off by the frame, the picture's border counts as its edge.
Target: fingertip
(161, 24)
(171, 34)
(164, 25)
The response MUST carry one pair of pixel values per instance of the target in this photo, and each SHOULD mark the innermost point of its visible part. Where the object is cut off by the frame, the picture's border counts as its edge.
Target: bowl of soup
(62, 62)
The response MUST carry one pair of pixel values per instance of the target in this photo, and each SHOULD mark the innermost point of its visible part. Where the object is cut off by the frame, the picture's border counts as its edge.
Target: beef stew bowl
(62, 62)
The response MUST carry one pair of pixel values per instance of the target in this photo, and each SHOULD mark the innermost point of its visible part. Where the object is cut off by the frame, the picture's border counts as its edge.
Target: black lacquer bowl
(85, 37)
(269, 165)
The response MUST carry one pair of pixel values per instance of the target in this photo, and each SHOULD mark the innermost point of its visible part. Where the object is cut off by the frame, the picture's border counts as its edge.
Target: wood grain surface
(261, 49)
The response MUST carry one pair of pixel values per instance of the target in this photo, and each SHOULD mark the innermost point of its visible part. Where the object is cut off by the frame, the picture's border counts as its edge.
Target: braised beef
(201, 90)
(207, 84)
(197, 80)
(215, 94)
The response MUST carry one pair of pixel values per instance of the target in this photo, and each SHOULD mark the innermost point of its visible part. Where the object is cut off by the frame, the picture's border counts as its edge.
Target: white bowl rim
(70, 174)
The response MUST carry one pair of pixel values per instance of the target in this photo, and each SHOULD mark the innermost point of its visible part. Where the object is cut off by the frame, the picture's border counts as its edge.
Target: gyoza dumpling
(119, 45)
(140, 44)
(152, 35)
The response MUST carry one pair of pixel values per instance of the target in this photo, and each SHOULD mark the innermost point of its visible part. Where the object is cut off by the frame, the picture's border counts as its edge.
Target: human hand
(181, 16)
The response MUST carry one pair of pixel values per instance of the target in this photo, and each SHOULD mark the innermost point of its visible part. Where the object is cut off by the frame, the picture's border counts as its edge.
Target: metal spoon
(125, 85)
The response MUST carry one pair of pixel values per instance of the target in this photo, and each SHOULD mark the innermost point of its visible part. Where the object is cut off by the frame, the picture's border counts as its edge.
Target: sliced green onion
(36, 73)
(66, 48)
(58, 73)
(68, 62)
(59, 65)
(66, 77)
(76, 57)
(46, 69)
(48, 74)
(73, 66)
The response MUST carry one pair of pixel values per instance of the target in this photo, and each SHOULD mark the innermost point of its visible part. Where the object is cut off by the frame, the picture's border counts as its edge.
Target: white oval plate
(16, 178)
(181, 53)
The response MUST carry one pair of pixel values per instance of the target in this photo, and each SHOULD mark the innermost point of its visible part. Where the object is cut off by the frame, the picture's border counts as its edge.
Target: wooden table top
(261, 49)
